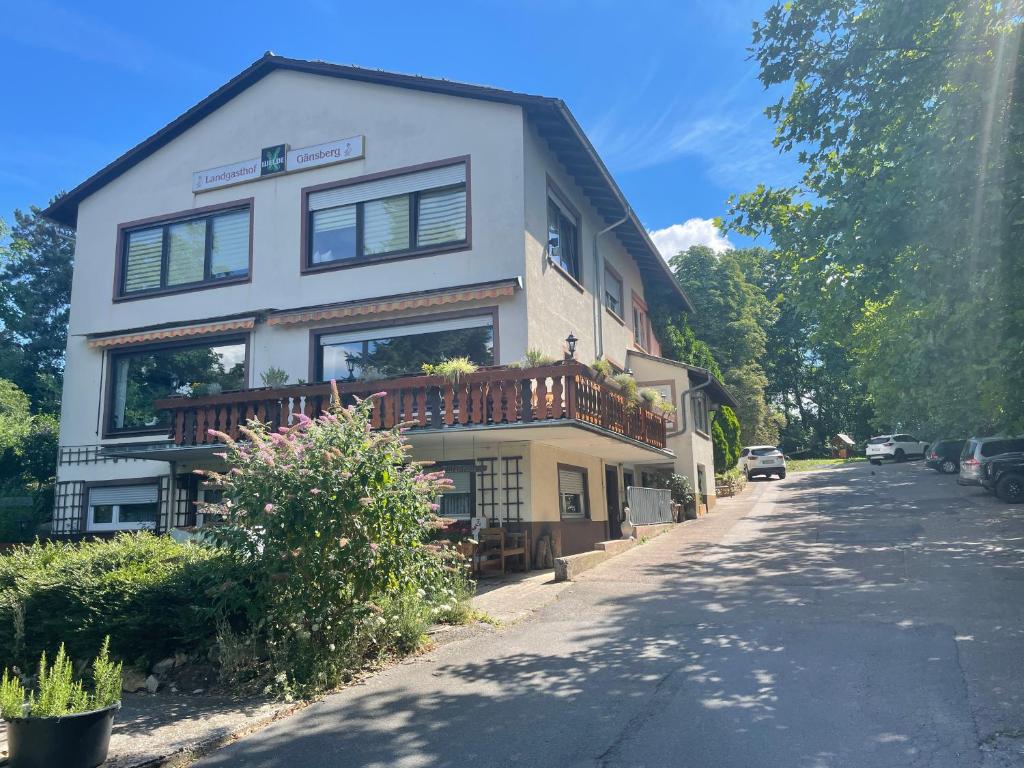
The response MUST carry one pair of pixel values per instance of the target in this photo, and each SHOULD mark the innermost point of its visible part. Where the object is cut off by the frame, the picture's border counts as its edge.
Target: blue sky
(665, 90)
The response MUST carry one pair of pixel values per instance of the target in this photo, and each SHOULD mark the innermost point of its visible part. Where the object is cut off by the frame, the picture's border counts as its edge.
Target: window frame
(164, 221)
(640, 307)
(568, 211)
(86, 508)
(316, 359)
(586, 492)
(701, 418)
(112, 356)
(610, 270)
(412, 252)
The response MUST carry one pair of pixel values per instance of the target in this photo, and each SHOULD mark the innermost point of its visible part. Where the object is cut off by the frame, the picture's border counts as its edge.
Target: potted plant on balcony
(60, 723)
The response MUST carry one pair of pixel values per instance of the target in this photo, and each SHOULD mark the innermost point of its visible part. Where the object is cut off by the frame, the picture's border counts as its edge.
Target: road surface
(859, 616)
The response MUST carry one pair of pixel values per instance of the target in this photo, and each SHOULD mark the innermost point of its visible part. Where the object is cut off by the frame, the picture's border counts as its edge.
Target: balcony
(563, 393)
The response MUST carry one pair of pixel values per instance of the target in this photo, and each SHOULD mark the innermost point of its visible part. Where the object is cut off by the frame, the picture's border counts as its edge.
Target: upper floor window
(185, 252)
(613, 291)
(406, 214)
(563, 237)
(641, 329)
(700, 412)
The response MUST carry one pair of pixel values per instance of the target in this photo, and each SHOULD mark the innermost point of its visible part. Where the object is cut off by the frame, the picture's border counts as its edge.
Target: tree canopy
(902, 239)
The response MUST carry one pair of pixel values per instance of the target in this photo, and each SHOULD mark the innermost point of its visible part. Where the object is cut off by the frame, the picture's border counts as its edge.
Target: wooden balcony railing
(488, 397)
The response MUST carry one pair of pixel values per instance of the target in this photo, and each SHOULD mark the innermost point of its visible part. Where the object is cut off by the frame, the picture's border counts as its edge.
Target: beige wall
(555, 306)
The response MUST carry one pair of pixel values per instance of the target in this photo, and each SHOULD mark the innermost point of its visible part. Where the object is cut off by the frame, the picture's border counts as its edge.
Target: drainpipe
(599, 287)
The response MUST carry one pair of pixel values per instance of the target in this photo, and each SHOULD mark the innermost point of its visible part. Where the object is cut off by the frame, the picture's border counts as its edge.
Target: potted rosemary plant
(60, 723)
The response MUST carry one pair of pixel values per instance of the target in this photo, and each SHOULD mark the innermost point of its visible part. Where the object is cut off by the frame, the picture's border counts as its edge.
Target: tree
(725, 427)
(903, 234)
(731, 318)
(35, 293)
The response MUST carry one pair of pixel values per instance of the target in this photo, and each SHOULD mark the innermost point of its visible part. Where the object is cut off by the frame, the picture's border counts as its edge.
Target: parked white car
(896, 447)
(764, 460)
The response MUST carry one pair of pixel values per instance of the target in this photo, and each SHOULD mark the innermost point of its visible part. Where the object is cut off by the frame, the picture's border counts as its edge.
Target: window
(700, 413)
(394, 215)
(572, 492)
(126, 507)
(640, 330)
(563, 238)
(176, 254)
(139, 377)
(613, 291)
(457, 501)
(381, 353)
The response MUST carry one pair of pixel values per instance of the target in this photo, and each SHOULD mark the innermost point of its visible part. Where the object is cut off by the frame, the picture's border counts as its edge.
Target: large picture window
(118, 508)
(186, 252)
(139, 377)
(410, 213)
(563, 237)
(383, 353)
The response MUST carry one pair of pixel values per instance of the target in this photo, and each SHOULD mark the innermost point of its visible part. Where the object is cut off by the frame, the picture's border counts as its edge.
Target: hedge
(150, 593)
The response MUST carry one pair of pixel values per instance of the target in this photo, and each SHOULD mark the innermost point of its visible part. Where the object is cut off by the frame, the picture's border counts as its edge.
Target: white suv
(764, 460)
(897, 447)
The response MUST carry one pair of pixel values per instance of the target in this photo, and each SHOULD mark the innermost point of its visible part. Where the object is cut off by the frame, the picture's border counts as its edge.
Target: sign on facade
(279, 159)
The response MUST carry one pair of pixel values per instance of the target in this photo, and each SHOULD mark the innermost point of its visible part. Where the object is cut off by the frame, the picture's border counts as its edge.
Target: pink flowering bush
(333, 520)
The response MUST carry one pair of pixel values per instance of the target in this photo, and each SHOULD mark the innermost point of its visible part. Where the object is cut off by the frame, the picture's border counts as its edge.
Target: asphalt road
(854, 617)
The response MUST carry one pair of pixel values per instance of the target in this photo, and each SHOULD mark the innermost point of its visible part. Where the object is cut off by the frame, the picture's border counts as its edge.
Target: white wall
(402, 128)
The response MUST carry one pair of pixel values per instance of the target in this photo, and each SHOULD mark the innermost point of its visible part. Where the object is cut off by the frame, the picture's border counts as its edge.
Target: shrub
(534, 358)
(602, 368)
(332, 520)
(627, 385)
(152, 595)
(727, 445)
(274, 377)
(452, 369)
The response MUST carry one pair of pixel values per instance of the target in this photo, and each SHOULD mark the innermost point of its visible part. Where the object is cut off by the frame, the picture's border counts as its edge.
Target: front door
(611, 482)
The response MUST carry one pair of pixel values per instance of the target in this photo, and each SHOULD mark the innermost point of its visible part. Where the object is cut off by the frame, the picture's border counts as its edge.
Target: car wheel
(949, 467)
(1011, 489)
(900, 455)
(875, 462)
(782, 475)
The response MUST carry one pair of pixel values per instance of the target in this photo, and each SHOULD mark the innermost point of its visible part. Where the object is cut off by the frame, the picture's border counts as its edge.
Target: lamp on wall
(570, 342)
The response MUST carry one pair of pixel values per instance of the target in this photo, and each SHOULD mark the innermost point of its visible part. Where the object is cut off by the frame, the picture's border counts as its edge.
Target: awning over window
(177, 332)
(402, 302)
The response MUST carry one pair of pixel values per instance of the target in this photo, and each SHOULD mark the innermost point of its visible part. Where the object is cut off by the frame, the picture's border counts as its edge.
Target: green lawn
(802, 465)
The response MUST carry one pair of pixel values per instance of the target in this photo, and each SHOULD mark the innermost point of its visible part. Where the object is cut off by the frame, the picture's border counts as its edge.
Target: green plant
(57, 692)
(451, 369)
(627, 385)
(12, 697)
(664, 407)
(650, 396)
(602, 368)
(534, 358)
(332, 522)
(274, 377)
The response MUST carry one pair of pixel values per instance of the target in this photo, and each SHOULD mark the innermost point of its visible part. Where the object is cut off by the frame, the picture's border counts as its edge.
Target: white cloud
(678, 237)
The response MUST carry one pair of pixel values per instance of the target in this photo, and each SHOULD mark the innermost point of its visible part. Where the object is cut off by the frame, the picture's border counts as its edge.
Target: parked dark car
(944, 455)
(1004, 474)
(978, 450)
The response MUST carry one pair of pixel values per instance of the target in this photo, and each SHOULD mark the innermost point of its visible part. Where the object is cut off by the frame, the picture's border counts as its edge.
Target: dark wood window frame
(701, 415)
(306, 248)
(554, 193)
(113, 354)
(316, 350)
(645, 323)
(164, 221)
(586, 492)
(609, 269)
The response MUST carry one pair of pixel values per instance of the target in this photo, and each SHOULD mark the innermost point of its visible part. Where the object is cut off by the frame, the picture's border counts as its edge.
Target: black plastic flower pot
(71, 741)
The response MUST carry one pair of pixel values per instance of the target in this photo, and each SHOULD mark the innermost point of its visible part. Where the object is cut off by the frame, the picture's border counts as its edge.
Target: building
(309, 222)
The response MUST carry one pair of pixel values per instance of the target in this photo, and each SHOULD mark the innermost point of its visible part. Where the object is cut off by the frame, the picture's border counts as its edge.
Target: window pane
(388, 357)
(142, 377)
(386, 225)
(334, 234)
(613, 292)
(103, 514)
(186, 252)
(554, 243)
(441, 217)
(137, 513)
(229, 252)
(567, 231)
(142, 261)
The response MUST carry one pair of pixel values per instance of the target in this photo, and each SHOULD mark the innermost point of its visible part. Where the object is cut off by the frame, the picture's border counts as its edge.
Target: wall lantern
(570, 341)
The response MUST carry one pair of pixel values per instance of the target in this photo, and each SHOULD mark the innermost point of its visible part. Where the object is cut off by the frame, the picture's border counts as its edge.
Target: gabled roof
(718, 391)
(552, 117)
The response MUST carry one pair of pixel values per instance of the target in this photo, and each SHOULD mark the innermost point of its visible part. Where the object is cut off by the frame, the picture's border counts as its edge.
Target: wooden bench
(497, 545)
